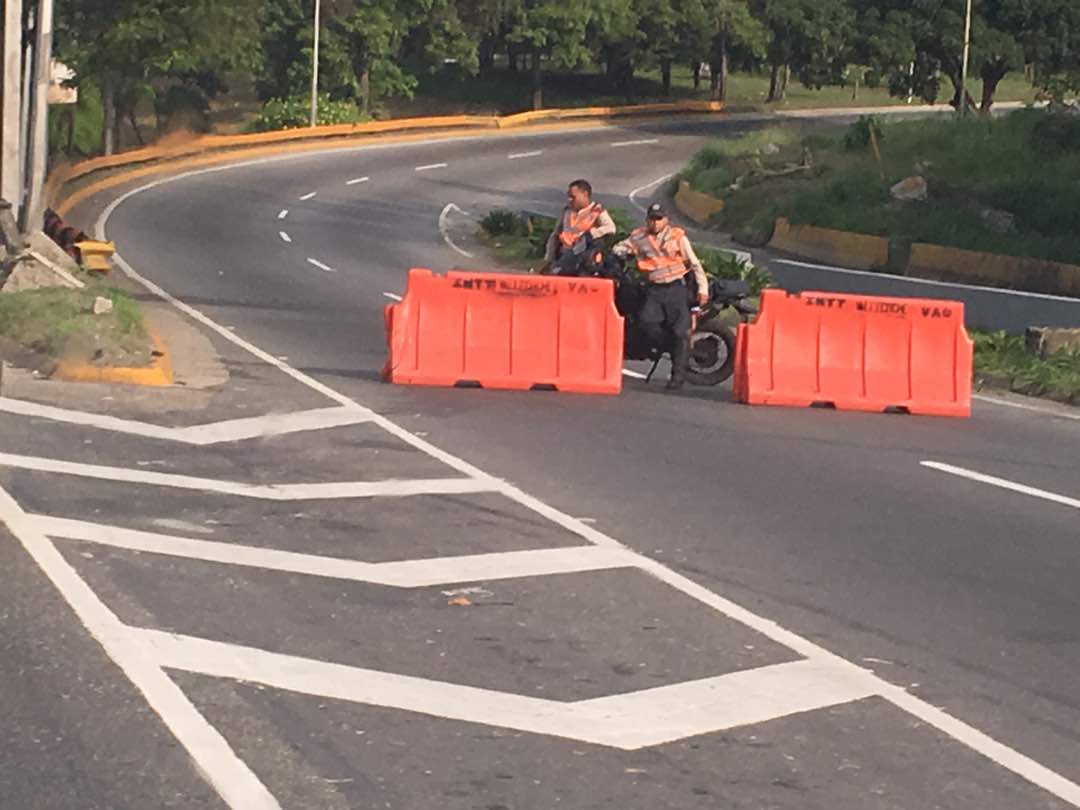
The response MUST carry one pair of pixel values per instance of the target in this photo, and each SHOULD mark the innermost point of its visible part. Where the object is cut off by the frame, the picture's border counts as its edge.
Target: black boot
(680, 361)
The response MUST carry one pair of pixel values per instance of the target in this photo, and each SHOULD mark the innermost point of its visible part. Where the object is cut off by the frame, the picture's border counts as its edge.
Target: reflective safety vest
(660, 256)
(575, 224)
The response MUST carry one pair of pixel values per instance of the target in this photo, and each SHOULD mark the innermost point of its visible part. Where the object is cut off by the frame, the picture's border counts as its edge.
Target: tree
(553, 30)
(809, 37)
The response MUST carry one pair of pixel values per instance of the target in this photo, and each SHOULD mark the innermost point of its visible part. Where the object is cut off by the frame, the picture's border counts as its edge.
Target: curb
(154, 159)
(159, 374)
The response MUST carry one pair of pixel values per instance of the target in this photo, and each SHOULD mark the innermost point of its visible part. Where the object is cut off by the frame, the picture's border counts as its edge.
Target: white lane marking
(1025, 407)
(1003, 483)
(357, 181)
(284, 213)
(219, 764)
(1014, 761)
(929, 282)
(393, 296)
(390, 488)
(316, 263)
(230, 430)
(444, 229)
(637, 375)
(520, 155)
(627, 721)
(310, 196)
(641, 142)
(431, 166)
(633, 194)
(284, 236)
(419, 573)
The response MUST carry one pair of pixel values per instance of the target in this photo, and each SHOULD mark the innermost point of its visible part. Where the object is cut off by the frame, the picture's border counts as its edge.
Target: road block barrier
(507, 331)
(856, 352)
(66, 236)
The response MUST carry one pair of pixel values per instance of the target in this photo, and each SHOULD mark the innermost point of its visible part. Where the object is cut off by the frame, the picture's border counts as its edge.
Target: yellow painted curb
(843, 248)
(159, 374)
(995, 269)
(192, 152)
(697, 205)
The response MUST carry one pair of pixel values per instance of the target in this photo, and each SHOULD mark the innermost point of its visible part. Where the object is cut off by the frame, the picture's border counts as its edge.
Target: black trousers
(665, 317)
(568, 262)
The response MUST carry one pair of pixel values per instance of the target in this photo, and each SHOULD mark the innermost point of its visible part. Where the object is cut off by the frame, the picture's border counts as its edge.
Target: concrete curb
(159, 374)
(342, 136)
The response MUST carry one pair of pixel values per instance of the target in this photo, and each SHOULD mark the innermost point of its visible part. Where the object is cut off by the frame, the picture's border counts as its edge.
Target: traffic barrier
(856, 352)
(506, 331)
(66, 236)
(95, 255)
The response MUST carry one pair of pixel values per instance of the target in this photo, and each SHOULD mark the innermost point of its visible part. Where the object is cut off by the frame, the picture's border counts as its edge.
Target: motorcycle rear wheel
(712, 354)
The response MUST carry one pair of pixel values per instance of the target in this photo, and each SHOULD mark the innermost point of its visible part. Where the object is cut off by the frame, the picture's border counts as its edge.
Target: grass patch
(503, 91)
(1026, 164)
(1002, 360)
(47, 324)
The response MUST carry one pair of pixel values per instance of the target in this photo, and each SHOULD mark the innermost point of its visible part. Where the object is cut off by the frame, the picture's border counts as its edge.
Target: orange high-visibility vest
(660, 256)
(575, 224)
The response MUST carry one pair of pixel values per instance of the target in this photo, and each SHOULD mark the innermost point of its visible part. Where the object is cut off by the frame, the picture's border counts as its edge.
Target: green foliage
(1004, 359)
(1024, 164)
(292, 113)
(857, 137)
(726, 265)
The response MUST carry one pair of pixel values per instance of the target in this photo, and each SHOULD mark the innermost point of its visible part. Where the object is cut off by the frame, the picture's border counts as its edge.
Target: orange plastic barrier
(856, 352)
(506, 331)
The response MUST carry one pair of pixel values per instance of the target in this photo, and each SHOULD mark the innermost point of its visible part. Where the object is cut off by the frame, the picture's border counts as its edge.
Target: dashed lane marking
(283, 213)
(285, 237)
(310, 196)
(1003, 483)
(324, 267)
(357, 181)
(520, 155)
(392, 296)
(641, 142)
(431, 166)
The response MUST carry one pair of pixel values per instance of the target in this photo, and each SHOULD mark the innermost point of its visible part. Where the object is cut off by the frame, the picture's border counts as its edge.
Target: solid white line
(633, 194)
(1025, 407)
(519, 155)
(431, 166)
(284, 236)
(357, 181)
(393, 296)
(310, 196)
(636, 143)
(390, 488)
(1003, 483)
(219, 764)
(444, 229)
(419, 573)
(284, 213)
(320, 265)
(1026, 768)
(628, 721)
(637, 375)
(927, 281)
(231, 430)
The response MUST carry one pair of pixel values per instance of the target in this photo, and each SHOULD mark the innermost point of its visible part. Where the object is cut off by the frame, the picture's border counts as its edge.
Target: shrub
(295, 112)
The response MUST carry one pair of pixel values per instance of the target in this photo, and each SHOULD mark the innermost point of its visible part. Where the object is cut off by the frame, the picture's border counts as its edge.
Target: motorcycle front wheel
(712, 354)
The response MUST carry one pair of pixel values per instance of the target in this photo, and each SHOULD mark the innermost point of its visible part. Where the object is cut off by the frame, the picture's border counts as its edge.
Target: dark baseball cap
(656, 211)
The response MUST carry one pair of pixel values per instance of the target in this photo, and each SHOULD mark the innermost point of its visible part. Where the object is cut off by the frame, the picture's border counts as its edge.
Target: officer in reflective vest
(582, 223)
(666, 256)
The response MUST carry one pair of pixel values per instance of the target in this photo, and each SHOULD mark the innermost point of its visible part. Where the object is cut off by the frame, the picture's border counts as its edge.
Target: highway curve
(962, 591)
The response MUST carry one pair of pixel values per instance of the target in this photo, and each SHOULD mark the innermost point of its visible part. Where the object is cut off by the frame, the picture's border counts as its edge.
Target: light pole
(39, 117)
(964, 60)
(315, 69)
(10, 130)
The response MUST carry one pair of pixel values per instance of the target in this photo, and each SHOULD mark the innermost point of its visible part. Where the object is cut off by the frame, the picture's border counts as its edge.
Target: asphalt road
(958, 594)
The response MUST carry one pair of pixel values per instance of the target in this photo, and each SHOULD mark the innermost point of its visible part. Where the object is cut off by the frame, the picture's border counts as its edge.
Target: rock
(31, 273)
(998, 221)
(1044, 341)
(910, 189)
(770, 149)
(52, 253)
(102, 306)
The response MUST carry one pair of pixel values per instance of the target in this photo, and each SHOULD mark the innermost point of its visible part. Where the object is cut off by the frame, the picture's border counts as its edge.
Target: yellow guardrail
(172, 149)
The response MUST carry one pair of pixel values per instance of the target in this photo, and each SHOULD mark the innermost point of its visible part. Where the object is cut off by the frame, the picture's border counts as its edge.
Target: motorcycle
(712, 338)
